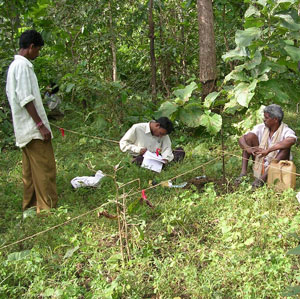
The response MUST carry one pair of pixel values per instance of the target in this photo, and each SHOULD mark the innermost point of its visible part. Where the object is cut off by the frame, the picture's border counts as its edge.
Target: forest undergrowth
(202, 241)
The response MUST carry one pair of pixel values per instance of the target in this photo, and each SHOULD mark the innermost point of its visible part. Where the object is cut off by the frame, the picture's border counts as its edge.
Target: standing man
(271, 140)
(31, 126)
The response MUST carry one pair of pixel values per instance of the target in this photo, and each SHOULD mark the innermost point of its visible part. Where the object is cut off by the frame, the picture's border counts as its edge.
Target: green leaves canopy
(243, 38)
(185, 93)
(211, 121)
(191, 115)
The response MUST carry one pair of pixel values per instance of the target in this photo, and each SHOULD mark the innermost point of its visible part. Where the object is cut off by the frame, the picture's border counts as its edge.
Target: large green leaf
(191, 115)
(237, 76)
(166, 109)
(253, 84)
(243, 93)
(273, 89)
(252, 11)
(262, 78)
(236, 54)
(254, 22)
(294, 250)
(210, 98)
(254, 62)
(212, 122)
(186, 92)
(70, 252)
(291, 291)
(276, 67)
(243, 38)
(288, 22)
(232, 106)
(16, 256)
(293, 52)
(69, 87)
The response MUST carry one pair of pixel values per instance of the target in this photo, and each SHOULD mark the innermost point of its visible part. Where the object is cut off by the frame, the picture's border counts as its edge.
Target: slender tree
(207, 47)
(152, 51)
(112, 43)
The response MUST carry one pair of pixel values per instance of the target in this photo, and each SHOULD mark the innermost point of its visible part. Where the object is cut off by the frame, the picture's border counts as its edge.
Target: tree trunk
(152, 52)
(164, 60)
(183, 41)
(225, 35)
(207, 47)
(113, 45)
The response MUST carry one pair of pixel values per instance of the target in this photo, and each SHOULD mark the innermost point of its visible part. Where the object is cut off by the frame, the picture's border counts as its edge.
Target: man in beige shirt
(150, 136)
(31, 126)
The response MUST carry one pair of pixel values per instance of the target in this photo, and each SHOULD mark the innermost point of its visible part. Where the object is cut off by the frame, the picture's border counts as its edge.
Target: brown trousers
(39, 175)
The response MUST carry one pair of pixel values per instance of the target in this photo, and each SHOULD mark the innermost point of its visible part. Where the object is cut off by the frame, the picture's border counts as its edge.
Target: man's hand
(261, 152)
(143, 151)
(33, 113)
(45, 132)
(252, 150)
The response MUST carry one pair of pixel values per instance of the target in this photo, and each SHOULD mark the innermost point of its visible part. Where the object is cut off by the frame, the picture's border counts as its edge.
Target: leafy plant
(268, 53)
(190, 111)
(295, 290)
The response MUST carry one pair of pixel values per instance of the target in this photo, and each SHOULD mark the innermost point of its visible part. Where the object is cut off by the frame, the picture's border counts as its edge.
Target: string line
(130, 195)
(93, 210)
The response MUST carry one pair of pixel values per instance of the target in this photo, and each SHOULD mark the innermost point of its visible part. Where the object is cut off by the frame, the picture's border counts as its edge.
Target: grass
(221, 243)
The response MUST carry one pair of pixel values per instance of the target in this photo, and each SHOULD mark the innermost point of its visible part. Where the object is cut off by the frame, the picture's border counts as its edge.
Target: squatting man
(151, 136)
(271, 140)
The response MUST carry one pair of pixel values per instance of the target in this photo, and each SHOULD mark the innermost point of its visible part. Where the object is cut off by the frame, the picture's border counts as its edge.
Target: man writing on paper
(31, 126)
(270, 140)
(151, 136)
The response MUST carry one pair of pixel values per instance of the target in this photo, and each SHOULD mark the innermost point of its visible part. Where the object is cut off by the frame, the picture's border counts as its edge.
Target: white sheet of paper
(152, 161)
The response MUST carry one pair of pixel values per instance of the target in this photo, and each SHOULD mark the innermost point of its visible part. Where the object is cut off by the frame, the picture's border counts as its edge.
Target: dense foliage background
(122, 62)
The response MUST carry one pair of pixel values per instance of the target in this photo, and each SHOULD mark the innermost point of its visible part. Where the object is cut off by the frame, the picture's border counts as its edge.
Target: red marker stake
(158, 150)
(62, 131)
(144, 194)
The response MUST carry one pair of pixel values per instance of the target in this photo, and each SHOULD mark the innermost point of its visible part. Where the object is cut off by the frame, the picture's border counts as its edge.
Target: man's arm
(284, 144)
(42, 128)
(244, 146)
(127, 143)
(166, 151)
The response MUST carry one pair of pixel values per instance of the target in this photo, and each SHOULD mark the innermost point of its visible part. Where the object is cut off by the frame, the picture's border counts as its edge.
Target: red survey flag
(158, 150)
(144, 194)
(62, 131)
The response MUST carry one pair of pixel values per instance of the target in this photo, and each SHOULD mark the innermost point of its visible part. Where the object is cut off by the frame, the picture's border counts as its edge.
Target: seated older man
(270, 140)
(151, 136)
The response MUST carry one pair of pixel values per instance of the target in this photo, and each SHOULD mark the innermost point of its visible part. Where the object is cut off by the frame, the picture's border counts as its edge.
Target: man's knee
(251, 139)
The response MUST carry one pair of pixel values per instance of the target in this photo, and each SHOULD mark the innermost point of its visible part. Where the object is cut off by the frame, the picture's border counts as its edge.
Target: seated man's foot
(239, 179)
(257, 184)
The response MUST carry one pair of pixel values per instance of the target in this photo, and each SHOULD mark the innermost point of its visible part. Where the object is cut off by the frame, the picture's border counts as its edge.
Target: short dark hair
(29, 37)
(54, 88)
(166, 124)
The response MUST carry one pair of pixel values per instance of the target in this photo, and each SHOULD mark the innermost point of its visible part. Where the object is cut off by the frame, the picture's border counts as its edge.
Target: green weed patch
(202, 241)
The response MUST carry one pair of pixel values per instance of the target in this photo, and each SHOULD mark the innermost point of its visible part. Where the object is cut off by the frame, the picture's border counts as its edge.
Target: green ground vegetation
(216, 241)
